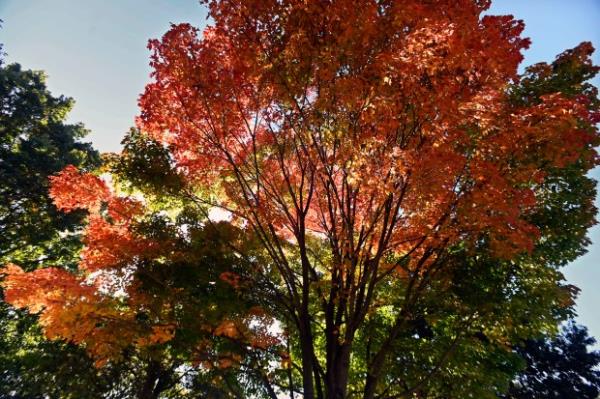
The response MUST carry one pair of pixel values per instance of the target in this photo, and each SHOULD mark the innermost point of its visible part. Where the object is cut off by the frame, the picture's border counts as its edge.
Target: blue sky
(95, 51)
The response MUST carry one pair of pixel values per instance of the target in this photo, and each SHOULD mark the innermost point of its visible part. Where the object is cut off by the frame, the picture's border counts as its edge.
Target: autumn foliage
(358, 154)
(308, 129)
(104, 306)
(392, 137)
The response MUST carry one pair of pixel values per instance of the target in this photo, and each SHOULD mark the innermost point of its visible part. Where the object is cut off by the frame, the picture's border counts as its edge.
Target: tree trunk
(147, 390)
(307, 358)
(338, 368)
(309, 366)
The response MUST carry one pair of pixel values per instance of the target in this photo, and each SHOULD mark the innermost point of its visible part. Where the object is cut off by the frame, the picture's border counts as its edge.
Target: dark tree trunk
(306, 345)
(149, 390)
(338, 368)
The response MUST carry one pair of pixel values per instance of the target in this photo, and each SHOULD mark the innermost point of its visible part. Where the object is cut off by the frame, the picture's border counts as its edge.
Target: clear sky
(95, 51)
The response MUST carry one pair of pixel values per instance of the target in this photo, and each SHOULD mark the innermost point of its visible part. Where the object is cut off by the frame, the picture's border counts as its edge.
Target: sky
(95, 51)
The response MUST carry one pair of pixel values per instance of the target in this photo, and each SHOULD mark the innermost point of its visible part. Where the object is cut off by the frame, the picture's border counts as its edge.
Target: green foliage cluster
(35, 143)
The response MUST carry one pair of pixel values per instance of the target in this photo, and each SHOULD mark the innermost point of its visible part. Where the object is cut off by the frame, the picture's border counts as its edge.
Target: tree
(35, 142)
(389, 142)
(394, 177)
(184, 306)
(559, 368)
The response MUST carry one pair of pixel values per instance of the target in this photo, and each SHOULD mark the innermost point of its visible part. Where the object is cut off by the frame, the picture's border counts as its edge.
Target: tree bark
(338, 368)
(307, 359)
(153, 373)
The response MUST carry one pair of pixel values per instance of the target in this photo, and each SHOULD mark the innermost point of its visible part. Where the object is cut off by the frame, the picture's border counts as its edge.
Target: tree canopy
(35, 143)
(559, 368)
(321, 208)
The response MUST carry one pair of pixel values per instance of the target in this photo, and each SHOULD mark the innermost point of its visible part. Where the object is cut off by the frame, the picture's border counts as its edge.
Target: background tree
(35, 143)
(559, 368)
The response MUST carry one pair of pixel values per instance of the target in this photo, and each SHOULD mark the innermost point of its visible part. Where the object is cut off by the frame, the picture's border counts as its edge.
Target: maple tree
(398, 182)
(388, 142)
(152, 292)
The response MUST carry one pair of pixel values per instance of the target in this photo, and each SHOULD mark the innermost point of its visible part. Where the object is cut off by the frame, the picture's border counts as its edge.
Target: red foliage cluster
(312, 122)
